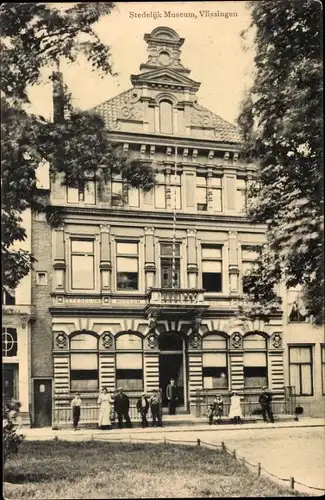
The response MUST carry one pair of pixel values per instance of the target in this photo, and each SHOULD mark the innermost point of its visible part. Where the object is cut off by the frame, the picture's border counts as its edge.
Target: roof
(201, 118)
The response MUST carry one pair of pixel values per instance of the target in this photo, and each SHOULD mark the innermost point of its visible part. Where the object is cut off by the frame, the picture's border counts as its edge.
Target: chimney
(58, 97)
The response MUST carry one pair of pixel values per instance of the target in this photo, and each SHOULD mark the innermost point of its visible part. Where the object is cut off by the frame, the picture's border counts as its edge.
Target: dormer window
(165, 117)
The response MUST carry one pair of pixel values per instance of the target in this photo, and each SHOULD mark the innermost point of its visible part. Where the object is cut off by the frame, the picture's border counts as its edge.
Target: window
(300, 364)
(215, 367)
(134, 197)
(201, 193)
(85, 192)
(241, 196)
(9, 297)
(160, 191)
(127, 266)
(212, 268)
(117, 192)
(166, 117)
(322, 347)
(84, 373)
(9, 342)
(129, 362)
(41, 278)
(216, 187)
(255, 360)
(248, 257)
(297, 312)
(168, 277)
(82, 264)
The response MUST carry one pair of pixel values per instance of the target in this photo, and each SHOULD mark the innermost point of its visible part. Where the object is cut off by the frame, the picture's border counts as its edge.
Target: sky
(213, 50)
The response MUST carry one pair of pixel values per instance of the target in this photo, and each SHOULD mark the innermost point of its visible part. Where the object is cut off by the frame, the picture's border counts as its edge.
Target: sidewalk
(46, 433)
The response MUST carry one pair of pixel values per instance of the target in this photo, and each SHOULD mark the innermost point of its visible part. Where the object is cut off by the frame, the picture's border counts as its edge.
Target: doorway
(172, 364)
(43, 402)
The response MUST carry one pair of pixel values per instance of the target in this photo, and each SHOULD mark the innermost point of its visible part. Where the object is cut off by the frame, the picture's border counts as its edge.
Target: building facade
(17, 316)
(138, 287)
(304, 354)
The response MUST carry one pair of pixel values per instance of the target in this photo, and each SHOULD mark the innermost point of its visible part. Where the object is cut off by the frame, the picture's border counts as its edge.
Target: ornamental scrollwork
(196, 324)
(277, 340)
(152, 340)
(107, 340)
(195, 340)
(61, 340)
(236, 341)
(152, 320)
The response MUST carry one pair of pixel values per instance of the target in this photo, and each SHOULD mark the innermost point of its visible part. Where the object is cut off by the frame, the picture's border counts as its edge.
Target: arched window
(215, 361)
(129, 361)
(84, 373)
(165, 117)
(255, 360)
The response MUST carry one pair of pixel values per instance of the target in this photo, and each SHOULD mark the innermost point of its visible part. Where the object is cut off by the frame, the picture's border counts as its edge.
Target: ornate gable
(164, 86)
(166, 77)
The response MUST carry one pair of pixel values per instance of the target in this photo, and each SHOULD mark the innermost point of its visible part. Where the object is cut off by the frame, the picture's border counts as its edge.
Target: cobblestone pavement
(286, 451)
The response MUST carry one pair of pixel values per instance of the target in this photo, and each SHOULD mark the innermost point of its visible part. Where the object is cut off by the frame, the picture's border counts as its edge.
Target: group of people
(122, 406)
(215, 410)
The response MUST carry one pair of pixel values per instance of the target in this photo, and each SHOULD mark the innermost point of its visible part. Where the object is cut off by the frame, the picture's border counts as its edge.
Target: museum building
(138, 287)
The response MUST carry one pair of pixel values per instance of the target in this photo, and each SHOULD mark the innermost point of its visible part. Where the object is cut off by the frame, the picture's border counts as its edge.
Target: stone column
(233, 263)
(192, 267)
(209, 190)
(59, 264)
(105, 258)
(150, 264)
(168, 189)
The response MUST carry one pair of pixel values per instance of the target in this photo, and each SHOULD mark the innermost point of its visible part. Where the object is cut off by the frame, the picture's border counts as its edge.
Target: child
(218, 405)
(211, 413)
(155, 408)
(143, 407)
(75, 406)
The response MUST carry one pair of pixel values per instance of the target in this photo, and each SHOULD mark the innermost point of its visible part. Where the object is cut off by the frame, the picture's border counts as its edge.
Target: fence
(292, 482)
(89, 413)
(283, 403)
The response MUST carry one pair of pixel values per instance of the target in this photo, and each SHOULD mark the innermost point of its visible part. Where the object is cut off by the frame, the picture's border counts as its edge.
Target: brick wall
(41, 342)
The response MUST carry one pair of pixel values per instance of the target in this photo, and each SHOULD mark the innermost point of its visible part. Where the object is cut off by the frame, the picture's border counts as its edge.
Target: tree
(33, 37)
(281, 123)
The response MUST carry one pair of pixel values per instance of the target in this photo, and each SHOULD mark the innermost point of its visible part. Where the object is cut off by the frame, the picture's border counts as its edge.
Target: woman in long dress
(104, 419)
(235, 409)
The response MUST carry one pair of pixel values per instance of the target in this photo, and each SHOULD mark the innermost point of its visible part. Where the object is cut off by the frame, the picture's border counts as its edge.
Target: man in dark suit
(171, 393)
(121, 406)
(265, 400)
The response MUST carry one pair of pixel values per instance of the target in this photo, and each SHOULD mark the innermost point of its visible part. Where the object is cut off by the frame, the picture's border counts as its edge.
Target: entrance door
(43, 402)
(172, 364)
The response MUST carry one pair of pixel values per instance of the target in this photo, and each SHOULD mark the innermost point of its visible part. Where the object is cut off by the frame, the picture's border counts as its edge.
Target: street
(287, 451)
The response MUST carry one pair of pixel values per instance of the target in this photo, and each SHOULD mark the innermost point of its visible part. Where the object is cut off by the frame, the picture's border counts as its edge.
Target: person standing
(235, 409)
(143, 407)
(104, 417)
(218, 404)
(122, 405)
(75, 406)
(155, 405)
(265, 401)
(171, 393)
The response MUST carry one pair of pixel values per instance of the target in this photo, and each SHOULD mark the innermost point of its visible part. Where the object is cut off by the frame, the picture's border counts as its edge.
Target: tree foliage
(33, 37)
(281, 122)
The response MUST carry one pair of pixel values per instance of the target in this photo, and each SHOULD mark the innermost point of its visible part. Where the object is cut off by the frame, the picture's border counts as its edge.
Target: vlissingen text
(155, 14)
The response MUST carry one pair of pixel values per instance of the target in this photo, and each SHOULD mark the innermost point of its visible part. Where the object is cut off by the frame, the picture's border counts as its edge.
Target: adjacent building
(17, 316)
